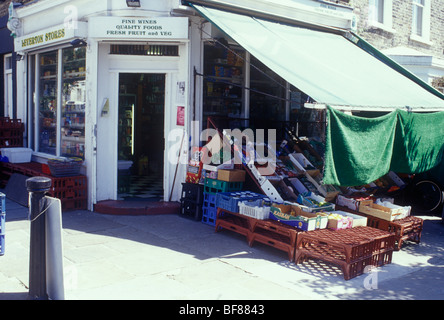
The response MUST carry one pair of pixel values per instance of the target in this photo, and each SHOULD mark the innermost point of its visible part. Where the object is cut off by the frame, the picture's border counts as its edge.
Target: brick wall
(402, 23)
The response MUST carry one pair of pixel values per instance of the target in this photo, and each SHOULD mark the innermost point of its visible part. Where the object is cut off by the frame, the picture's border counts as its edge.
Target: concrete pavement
(167, 257)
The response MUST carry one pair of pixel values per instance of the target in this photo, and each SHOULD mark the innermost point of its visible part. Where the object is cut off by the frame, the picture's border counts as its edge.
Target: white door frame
(168, 75)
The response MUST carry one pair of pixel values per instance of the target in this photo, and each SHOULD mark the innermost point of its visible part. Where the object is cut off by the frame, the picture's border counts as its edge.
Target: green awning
(328, 67)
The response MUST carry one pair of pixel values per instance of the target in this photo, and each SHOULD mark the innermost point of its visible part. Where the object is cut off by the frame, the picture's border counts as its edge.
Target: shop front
(128, 90)
(106, 90)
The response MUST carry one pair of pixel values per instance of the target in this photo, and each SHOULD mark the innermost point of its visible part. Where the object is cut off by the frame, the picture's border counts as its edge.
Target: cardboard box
(311, 196)
(194, 169)
(358, 221)
(294, 216)
(351, 203)
(231, 175)
(328, 191)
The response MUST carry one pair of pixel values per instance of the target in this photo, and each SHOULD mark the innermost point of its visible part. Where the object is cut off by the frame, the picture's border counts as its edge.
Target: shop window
(267, 95)
(48, 102)
(223, 81)
(145, 50)
(61, 102)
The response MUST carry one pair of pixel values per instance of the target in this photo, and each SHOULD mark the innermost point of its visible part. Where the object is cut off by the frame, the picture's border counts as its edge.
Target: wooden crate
(381, 212)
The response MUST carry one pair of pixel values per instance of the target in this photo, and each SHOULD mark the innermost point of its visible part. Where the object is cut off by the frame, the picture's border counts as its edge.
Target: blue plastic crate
(2, 233)
(209, 200)
(209, 215)
(2, 203)
(230, 200)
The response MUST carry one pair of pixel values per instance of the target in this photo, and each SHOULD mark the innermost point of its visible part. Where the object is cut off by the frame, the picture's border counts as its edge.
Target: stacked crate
(2, 224)
(354, 250)
(72, 191)
(11, 132)
(211, 188)
(191, 201)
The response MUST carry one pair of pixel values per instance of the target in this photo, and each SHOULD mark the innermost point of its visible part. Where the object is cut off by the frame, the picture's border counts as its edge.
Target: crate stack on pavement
(67, 184)
(2, 224)
(298, 214)
(11, 132)
(191, 201)
(227, 181)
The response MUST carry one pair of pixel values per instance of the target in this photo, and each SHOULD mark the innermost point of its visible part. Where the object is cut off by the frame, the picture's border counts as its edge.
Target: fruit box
(351, 203)
(358, 221)
(381, 212)
(338, 220)
(296, 217)
(306, 206)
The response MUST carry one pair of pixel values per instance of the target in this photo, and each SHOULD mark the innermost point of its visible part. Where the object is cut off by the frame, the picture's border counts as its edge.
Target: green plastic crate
(215, 186)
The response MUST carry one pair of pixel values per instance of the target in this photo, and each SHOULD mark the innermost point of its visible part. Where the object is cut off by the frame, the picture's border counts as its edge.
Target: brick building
(410, 32)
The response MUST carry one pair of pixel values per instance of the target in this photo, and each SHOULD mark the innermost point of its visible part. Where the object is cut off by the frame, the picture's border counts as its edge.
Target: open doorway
(141, 136)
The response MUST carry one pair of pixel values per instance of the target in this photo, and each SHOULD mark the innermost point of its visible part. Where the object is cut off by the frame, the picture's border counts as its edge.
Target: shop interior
(241, 92)
(141, 136)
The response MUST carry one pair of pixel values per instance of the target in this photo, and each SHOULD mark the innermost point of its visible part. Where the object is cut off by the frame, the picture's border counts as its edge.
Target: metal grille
(145, 50)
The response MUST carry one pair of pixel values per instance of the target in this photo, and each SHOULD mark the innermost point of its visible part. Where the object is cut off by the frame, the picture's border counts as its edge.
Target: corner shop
(114, 35)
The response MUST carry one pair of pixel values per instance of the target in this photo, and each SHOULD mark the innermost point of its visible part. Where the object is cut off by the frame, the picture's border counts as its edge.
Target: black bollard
(37, 187)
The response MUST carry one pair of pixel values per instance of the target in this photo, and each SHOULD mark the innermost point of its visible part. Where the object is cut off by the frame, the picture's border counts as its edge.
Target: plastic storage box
(17, 155)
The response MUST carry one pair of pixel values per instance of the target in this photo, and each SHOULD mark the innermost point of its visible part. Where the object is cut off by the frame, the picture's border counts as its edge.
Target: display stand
(354, 250)
(268, 232)
(406, 229)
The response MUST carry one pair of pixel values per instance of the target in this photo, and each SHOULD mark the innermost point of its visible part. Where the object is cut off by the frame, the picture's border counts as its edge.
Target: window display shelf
(223, 80)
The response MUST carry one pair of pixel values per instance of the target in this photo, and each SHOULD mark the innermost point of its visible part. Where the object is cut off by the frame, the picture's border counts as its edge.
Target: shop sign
(138, 27)
(49, 36)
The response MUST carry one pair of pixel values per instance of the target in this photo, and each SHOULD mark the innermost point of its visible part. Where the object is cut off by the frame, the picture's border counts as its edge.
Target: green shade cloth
(361, 150)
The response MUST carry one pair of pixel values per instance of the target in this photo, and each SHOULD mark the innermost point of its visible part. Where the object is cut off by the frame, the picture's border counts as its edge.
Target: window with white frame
(380, 14)
(421, 21)
(59, 105)
(8, 85)
(418, 17)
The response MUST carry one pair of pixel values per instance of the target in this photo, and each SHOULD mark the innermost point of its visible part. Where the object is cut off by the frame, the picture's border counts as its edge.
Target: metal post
(37, 187)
